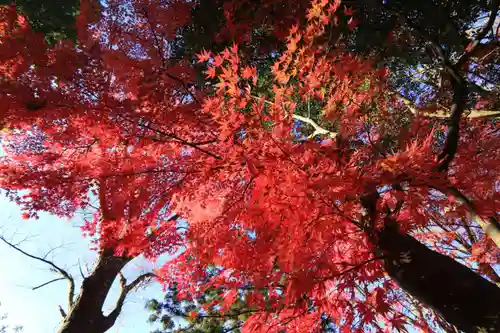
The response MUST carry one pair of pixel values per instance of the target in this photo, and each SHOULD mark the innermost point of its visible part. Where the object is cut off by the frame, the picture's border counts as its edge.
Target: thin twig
(56, 268)
(175, 137)
(495, 4)
(49, 282)
(318, 130)
(163, 60)
(355, 267)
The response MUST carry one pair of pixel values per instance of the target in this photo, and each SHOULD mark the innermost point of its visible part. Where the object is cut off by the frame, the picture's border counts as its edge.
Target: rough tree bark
(85, 314)
(462, 297)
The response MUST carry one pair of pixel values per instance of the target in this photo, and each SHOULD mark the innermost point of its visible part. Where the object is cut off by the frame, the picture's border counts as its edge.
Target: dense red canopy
(114, 121)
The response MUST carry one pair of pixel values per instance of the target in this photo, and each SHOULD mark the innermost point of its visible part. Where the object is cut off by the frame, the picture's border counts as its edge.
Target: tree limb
(495, 4)
(80, 268)
(125, 289)
(318, 130)
(61, 311)
(460, 91)
(65, 274)
(490, 225)
(459, 100)
(444, 113)
(49, 282)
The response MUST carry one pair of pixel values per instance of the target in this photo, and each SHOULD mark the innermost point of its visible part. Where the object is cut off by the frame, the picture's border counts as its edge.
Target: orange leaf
(204, 56)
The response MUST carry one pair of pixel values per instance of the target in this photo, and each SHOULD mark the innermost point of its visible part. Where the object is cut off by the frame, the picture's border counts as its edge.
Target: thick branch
(490, 225)
(444, 113)
(459, 100)
(86, 313)
(56, 268)
(462, 297)
(459, 88)
(125, 289)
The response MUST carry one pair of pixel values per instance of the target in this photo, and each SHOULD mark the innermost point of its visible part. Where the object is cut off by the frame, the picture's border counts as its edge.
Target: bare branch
(62, 312)
(353, 268)
(490, 225)
(49, 282)
(80, 268)
(125, 289)
(318, 130)
(140, 279)
(52, 250)
(495, 4)
(53, 266)
(443, 112)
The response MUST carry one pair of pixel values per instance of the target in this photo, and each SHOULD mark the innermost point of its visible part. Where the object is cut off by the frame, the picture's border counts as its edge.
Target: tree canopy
(56, 19)
(334, 162)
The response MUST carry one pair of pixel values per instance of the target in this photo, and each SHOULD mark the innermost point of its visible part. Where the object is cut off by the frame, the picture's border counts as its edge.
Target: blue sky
(37, 310)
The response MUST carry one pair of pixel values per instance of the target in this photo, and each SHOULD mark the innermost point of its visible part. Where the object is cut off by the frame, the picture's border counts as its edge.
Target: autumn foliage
(291, 221)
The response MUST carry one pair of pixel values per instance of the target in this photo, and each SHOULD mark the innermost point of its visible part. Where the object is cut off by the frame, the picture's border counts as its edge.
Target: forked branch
(125, 289)
(65, 275)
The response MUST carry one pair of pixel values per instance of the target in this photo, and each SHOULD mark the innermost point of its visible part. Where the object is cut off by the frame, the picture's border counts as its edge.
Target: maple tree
(304, 175)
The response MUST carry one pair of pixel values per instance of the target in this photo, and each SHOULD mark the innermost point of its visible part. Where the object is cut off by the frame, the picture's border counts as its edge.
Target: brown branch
(125, 290)
(354, 267)
(65, 274)
(468, 231)
(62, 312)
(175, 137)
(490, 225)
(49, 282)
(459, 100)
(459, 88)
(443, 112)
(80, 268)
(163, 60)
(495, 4)
(460, 91)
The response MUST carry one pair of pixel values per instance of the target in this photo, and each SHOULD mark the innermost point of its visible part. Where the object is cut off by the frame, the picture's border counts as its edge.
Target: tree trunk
(85, 315)
(461, 296)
